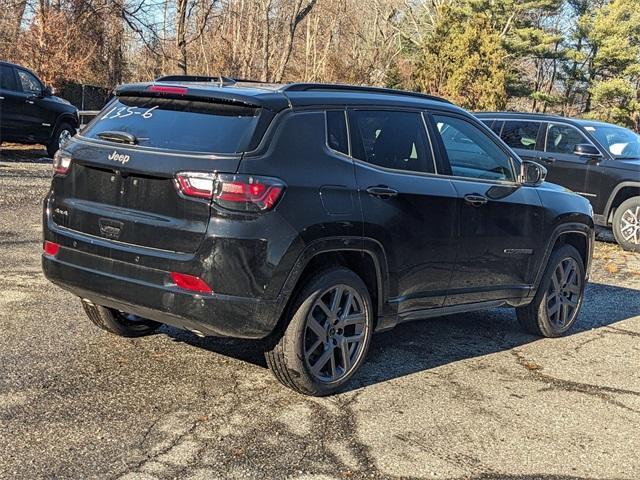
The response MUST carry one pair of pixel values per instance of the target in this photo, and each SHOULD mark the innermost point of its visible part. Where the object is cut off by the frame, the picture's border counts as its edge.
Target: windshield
(621, 142)
(185, 125)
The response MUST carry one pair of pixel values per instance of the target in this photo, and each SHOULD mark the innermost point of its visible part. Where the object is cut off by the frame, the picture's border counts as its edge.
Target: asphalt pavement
(460, 397)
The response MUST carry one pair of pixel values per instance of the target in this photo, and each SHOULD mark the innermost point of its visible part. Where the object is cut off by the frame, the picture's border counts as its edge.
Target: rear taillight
(196, 184)
(61, 163)
(247, 193)
(190, 282)
(50, 249)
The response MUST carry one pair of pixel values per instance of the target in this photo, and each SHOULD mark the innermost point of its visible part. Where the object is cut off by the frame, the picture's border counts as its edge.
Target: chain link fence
(88, 99)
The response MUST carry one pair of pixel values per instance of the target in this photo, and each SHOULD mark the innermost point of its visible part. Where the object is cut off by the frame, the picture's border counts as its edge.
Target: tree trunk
(181, 35)
(298, 15)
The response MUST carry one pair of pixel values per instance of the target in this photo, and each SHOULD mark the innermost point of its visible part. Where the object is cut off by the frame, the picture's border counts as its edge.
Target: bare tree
(298, 14)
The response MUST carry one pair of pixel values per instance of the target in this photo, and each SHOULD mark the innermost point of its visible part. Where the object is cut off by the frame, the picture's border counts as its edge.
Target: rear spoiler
(274, 101)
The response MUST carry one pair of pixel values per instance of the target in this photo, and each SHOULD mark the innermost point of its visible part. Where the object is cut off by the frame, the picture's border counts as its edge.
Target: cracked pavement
(460, 397)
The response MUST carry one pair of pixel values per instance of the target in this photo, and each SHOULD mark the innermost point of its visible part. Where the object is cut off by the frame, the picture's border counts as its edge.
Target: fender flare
(573, 227)
(67, 117)
(366, 246)
(620, 186)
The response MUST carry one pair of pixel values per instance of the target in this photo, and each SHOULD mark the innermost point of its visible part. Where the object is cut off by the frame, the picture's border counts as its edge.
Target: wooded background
(574, 57)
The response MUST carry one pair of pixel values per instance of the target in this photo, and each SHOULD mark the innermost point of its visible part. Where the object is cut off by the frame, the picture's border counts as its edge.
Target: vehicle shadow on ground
(422, 345)
(23, 154)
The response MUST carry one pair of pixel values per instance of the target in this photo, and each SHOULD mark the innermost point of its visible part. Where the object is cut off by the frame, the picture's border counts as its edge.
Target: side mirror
(47, 92)
(533, 174)
(586, 150)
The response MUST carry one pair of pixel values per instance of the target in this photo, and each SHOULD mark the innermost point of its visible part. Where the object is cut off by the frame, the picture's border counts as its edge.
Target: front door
(501, 221)
(35, 124)
(10, 104)
(406, 207)
(575, 172)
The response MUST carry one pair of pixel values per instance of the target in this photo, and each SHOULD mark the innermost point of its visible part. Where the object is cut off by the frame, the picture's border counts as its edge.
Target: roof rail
(305, 87)
(517, 112)
(221, 81)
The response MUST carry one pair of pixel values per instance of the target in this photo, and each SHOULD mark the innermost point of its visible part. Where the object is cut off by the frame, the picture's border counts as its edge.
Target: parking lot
(460, 397)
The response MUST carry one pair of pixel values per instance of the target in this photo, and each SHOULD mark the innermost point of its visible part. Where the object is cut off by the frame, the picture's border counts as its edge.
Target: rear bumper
(145, 292)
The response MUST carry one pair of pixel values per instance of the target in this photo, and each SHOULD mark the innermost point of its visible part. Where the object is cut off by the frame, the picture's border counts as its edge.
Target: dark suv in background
(30, 113)
(307, 215)
(597, 160)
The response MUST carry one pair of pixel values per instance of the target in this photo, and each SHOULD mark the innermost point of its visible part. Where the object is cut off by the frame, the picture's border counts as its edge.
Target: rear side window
(337, 132)
(182, 125)
(563, 138)
(497, 127)
(390, 139)
(7, 78)
(520, 134)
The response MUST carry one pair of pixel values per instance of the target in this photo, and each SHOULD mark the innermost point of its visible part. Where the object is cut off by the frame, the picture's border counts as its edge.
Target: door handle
(30, 102)
(475, 199)
(1, 98)
(547, 160)
(382, 191)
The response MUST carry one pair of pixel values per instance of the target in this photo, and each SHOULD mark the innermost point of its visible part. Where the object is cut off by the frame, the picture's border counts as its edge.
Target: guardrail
(86, 116)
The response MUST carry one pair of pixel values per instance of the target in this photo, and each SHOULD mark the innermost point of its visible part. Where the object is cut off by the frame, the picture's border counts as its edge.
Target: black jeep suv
(30, 113)
(307, 215)
(597, 160)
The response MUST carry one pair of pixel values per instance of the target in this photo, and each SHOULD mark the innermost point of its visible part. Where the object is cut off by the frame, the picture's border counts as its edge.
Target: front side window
(391, 139)
(7, 79)
(30, 84)
(563, 138)
(337, 132)
(520, 134)
(471, 152)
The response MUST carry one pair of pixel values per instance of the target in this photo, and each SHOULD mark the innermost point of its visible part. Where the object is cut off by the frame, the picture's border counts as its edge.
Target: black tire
(286, 355)
(535, 317)
(626, 224)
(119, 323)
(54, 143)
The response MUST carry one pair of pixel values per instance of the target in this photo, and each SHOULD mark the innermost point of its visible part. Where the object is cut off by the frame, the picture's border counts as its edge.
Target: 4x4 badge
(119, 157)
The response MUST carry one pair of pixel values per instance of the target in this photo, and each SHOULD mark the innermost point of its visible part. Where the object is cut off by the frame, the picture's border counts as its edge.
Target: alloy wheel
(564, 294)
(65, 136)
(335, 334)
(630, 225)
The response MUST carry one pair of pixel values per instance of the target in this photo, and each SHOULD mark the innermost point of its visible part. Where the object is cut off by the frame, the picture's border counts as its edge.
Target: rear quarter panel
(317, 179)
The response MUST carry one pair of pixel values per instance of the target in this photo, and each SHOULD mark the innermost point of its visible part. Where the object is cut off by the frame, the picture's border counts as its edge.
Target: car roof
(544, 117)
(2, 62)
(277, 96)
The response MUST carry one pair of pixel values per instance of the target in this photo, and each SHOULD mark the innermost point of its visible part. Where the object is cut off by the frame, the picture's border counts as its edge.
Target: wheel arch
(365, 257)
(579, 235)
(621, 193)
(66, 117)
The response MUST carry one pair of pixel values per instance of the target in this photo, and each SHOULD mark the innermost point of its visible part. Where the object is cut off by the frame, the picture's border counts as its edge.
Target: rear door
(406, 207)
(129, 193)
(501, 221)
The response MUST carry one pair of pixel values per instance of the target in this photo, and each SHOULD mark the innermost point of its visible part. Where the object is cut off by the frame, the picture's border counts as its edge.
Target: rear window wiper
(118, 137)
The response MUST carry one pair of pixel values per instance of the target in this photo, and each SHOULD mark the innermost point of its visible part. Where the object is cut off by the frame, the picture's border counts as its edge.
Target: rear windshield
(183, 125)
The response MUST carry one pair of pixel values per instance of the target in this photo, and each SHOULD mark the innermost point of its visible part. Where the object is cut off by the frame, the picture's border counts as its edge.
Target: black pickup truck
(30, 113)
